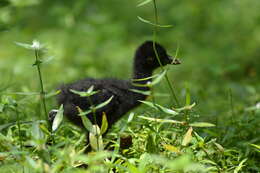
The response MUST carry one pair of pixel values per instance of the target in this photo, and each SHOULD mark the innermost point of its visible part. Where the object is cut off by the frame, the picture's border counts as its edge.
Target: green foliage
(88, 93)
(159, 108)
(58, 119)
(96, 107)
(218, 42)
(104, 125)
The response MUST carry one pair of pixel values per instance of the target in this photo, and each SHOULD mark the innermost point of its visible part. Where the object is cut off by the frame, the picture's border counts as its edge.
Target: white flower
(257, 105)
(36, 45)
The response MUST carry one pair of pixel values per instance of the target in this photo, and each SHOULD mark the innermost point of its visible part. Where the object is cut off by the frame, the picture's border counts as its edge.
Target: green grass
(219, 72)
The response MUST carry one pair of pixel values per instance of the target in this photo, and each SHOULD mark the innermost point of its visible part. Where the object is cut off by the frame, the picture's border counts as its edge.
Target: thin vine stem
(155, 30)
(42, 92)
(231, 105)
(19, 127)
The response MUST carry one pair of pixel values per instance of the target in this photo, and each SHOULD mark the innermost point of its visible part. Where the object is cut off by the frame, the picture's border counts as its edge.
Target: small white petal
(257, 105)
(36, 45)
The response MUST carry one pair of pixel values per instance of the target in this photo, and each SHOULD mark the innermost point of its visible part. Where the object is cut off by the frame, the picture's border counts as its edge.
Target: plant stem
(19, 127)
(157, 56)
(231, 105)
(42, 93)
(93, 110)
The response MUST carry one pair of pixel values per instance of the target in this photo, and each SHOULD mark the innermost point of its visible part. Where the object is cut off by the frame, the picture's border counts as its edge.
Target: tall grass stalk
(42, 92)
(155, 31)
(19, 127)
(231, 105)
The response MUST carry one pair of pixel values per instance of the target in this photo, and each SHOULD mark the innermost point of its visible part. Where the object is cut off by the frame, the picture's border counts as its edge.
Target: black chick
(123, 98)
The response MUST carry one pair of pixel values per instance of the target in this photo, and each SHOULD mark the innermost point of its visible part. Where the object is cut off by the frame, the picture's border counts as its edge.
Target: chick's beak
(174, 61)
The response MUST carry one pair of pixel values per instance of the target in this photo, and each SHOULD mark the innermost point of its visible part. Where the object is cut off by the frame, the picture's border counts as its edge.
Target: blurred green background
(218, 40)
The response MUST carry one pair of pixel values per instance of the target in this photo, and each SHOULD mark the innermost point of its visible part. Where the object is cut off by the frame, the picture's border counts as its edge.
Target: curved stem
(19, 127)
(42, 93)
(157, 56)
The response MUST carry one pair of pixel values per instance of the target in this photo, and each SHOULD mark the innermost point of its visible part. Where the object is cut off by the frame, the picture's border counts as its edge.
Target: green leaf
(161, 120)
(187, 95)
(199, 138)
(1, 107)
(37, 133)
(44, 129)
(37, 63)
(151, 147)
(95, 139)
(201, 124)
(24, 45)
(3, 126)
(206, 161)
(58, 119)
(146, 78)
(132, 168)
(104, 103)
(187, 107)
(144, 3)
(48, 59)
(254, 108)
(220, 148)
(256, 146)
(240, 166)
(90, 90)
(187, 137)
(141, 85)
(158, 78)
(104, 125)
(34, 46)
(51, 94)
(148, 22)
(171, 148)
(84, 93)
(86, 122)
(166, 110)
(130, 118)
(150, 104)
(159, 107)
(147, 93)
(96, 107)
(24, 93)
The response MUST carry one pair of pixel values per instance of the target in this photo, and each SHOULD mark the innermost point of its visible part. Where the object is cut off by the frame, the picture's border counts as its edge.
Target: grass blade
(240, 166)
(83, 93)
(151, 23)
(86, 122)
(187, 99)
(144, 3)
(161, 120)
(159, 108)
(58, 119)
(147, 93)
(104, 103)
(187, 137)
(95, 139)
(158, 78)
(202, 124)
(104, 125)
